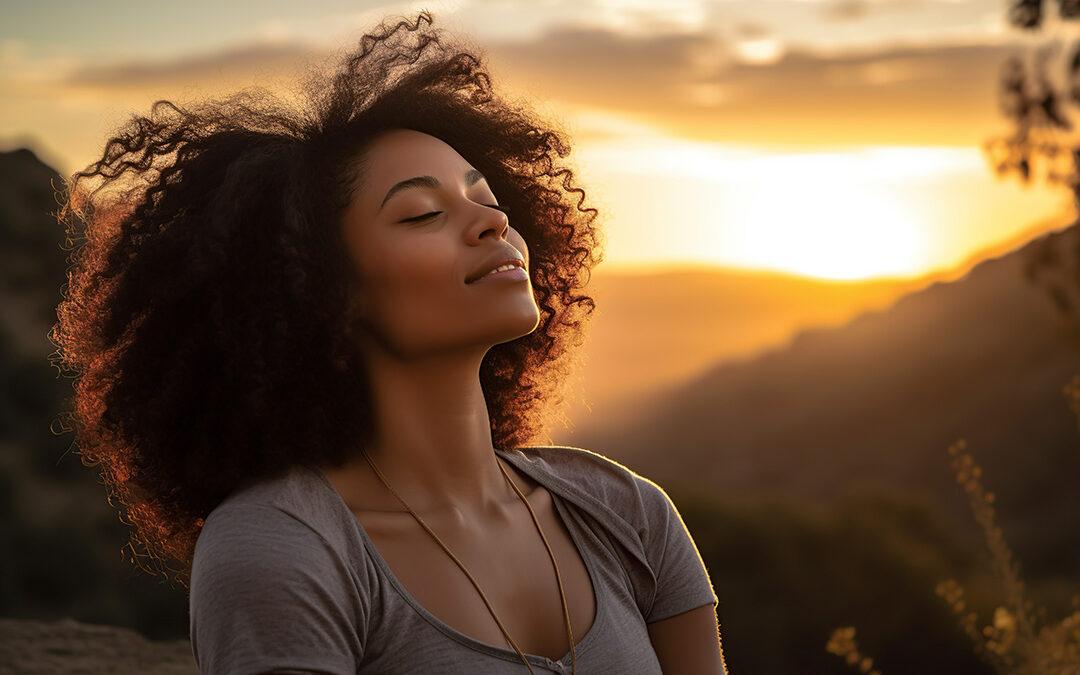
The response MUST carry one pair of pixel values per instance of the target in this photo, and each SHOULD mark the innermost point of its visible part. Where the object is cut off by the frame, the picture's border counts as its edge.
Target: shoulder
(239, 539)
(248, 526)
(630, 496)
(289, 507)
(244, 548)
(565, 459)
(581, 467)
(270, 532)
(268, 590)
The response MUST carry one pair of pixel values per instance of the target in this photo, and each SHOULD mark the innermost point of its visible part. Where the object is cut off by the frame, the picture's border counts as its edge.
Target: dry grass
(1017, 641)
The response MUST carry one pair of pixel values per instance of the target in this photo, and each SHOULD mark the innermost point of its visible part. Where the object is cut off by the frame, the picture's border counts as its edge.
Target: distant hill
(874, 403)
(63, 541)
(32, 263)
(655, 328)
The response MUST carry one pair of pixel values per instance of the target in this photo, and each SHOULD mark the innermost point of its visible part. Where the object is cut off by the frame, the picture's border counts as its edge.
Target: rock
(70, 647)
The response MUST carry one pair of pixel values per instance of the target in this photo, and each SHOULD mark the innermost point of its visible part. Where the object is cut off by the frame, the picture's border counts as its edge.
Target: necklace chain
(558, 577)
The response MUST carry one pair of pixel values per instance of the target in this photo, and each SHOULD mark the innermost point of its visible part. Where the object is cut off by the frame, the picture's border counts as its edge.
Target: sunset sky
(836, 139)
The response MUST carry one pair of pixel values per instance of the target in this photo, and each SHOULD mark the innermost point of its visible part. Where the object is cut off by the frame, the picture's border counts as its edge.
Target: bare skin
(506, 557)
(422, 332)
(689, 643)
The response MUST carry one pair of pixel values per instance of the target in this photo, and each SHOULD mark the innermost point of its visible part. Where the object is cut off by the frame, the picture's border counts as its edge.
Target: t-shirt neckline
(554, 489)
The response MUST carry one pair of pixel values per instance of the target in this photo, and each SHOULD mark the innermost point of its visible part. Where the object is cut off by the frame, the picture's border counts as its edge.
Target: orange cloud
(690, 84)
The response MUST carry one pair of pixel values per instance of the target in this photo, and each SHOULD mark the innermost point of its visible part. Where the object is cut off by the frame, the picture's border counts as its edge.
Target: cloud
(628, 17)
(845, 10)
(853, 10)
(699, 86)
(917, 94)
(693, 84)
(601, 66)
(19, 72)
(750, 30)
(233, 64)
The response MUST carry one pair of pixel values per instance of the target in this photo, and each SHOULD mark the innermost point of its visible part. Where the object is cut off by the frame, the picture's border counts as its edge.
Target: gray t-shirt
(284, 576)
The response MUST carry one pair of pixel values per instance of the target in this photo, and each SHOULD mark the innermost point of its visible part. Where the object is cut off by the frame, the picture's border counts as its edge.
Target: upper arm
(682, 580)
(267, 592)
(681, 618)
(689, 643)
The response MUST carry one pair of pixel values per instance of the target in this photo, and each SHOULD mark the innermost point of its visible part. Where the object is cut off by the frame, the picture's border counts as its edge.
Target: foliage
(788, 571)
(1018, 640)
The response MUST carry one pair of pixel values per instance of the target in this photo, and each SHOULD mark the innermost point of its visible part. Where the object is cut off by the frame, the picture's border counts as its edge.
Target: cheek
(415, 288)
(409, 262)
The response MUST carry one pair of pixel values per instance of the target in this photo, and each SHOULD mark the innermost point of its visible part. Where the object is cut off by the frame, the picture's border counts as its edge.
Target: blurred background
(840, 237)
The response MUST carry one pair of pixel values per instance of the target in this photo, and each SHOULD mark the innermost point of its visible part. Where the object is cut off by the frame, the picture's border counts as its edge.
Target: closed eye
(423, 217)
(431, 214)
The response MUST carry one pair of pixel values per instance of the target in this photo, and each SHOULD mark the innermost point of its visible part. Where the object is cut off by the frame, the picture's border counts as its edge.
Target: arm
(689, 643)
(681, 617)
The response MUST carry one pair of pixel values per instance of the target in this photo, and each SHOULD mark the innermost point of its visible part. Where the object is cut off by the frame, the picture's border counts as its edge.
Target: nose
(488, 221)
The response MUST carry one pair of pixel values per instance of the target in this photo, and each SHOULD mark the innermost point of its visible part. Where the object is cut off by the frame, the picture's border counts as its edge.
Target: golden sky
(837, 139)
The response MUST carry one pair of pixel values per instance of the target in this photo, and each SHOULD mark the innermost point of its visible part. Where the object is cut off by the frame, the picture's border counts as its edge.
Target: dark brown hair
(204, 312)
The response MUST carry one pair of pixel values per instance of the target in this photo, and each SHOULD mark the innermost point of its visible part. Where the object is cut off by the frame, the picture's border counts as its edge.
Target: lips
(493, 263)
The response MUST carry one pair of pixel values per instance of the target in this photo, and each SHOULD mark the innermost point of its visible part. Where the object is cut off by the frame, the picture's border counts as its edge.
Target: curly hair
(204, 315)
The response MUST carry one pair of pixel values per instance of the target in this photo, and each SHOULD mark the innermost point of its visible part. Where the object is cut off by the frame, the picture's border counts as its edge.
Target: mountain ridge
(874, 403)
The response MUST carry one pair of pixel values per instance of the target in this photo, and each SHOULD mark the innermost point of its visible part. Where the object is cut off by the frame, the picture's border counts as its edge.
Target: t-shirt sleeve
(268, 592)
(682, 580)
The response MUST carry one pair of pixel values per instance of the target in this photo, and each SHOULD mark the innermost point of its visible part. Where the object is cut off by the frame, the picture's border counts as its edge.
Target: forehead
(404, 153)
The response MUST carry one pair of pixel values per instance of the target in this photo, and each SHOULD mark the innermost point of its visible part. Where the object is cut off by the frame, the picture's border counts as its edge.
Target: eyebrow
(472, 177)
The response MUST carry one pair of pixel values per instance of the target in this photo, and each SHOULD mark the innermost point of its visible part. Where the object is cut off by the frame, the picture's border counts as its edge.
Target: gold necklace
(558, 577)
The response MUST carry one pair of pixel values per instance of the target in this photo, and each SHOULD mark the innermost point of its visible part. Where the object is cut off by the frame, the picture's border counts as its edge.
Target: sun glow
(845, 214)
(834, 215)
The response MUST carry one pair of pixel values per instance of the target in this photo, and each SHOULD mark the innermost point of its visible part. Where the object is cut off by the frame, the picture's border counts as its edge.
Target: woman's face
(414, 245)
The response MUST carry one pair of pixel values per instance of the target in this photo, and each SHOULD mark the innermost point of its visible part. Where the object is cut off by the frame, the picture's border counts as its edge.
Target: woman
(310, 347)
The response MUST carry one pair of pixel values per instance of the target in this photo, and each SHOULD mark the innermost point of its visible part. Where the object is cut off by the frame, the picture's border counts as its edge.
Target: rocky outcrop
(73, 648)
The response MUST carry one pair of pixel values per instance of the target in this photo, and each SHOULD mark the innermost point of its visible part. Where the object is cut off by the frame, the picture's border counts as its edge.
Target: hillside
(873, 404)
(653, 328)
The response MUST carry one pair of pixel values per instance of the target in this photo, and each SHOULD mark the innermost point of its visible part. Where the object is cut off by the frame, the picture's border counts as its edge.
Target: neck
(432, 441)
